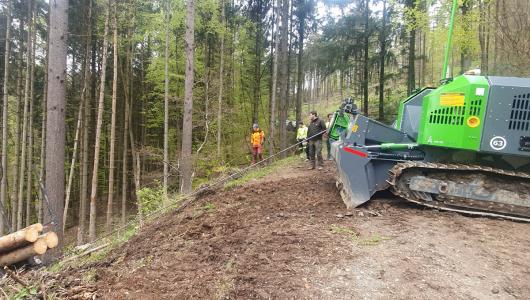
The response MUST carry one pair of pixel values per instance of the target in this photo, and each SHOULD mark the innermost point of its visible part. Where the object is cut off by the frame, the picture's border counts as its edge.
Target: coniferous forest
(159, 97)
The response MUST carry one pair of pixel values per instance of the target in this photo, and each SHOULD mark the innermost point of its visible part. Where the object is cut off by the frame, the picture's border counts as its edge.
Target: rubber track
(398, 169)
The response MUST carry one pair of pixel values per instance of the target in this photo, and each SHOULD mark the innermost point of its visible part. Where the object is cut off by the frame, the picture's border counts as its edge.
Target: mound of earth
(288, 236)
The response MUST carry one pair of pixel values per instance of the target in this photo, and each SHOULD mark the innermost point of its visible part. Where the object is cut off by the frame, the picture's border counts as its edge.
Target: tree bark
(99, 121)
(19, 238)
(272, 123)
(284, 15)
(382, 56)
(14, 200)
(110, 195)
(3, 184)
(166, 101)
(186, 159)
(24, 145)
(411, 75)
(300, 77)
(85, 96)
(29, 178)
(55, 134)
(366, 54)
(221, 76)
(18, 255)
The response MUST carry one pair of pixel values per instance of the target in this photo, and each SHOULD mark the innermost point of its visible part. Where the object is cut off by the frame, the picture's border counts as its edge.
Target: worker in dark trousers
(314, 135)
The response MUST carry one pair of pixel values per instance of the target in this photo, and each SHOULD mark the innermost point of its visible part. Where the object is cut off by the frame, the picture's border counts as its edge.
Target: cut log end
(51, 239)
(40, 246)
(36, 226)
(31, 234)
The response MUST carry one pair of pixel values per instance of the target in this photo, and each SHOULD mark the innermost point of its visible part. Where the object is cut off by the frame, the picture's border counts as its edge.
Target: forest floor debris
(279, 238)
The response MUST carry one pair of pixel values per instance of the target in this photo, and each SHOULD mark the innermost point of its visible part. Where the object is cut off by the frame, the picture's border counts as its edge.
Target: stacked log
(25, 243)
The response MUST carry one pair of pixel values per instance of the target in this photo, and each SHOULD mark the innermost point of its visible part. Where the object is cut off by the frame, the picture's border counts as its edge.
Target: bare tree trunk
(128, 99)
(284, 16)
(24, 145)
(74, 158)
(55, 135)
(29, 185)
(221, 76)
(301, 32)
(85, 96)
(99, 121)
(110, 196)
(42, 174)
(166, 101)
(366, 57)
(275, 57)
(3, 187)
(382, 65)
(14, 185)
(186, 165)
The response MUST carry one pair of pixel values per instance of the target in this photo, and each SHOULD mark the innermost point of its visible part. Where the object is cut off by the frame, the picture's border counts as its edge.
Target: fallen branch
(15, 277)
(85, 253)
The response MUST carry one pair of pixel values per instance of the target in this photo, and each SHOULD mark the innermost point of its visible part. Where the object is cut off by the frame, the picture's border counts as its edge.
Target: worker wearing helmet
(256, 141)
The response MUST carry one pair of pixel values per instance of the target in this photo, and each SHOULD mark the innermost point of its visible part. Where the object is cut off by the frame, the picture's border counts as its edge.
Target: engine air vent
(520, 114)
(452, 115)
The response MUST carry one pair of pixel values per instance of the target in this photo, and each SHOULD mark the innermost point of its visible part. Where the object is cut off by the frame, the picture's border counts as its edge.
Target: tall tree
(99, 121)
(366, 54)
(301, 12)
(186, 159)
(382, 56)
(284, 76)
(166, 98)
(221, 76)
(411, 75)
(3, 184)
(110, 195)
(274, 93)
(22, 172)
(85, 97)
(55, 134)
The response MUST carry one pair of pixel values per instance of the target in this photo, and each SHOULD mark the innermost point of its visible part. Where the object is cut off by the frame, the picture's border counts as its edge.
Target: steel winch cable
(189, 198)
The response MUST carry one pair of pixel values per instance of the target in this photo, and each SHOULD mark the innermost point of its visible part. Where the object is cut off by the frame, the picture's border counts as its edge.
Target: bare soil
(288, 236)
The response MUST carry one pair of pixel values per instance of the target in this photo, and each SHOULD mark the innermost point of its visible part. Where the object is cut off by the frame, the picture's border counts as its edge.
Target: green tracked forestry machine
(464, 146)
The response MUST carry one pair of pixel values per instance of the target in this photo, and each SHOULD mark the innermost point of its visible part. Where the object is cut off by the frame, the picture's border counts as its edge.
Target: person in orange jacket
(256, 141)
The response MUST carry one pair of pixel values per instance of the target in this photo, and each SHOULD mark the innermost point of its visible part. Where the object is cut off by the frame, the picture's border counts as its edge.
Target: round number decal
(498, 143)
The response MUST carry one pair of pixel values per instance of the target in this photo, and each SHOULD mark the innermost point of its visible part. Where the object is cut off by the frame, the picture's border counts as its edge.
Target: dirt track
(288, 236)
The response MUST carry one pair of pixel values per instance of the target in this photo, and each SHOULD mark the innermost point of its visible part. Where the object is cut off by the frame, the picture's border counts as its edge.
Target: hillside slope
(288, 236)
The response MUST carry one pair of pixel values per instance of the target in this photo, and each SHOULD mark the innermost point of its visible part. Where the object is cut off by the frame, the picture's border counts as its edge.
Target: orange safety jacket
(257, 137)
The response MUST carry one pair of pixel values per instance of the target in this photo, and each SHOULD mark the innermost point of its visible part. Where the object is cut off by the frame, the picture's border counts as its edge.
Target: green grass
(260, 172)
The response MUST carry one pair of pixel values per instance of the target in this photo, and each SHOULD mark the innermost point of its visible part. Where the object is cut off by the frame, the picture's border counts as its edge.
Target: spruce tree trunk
(55, 134)
(300, 79)
(411, 75)
(29, 178)
(42, 172)
(221, 76)
(85, 97)
(99, 121)
(382, 65)
(22, 171)
(284, 15)
(186, 159)
(110, 195)
(366, 57)
(166, 101)
(272, 124)
(16, 166)
(3, 184)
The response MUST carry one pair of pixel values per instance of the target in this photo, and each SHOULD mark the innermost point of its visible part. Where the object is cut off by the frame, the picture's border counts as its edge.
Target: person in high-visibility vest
(256, 141)
(301, 136)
